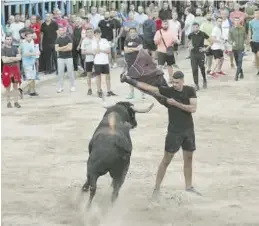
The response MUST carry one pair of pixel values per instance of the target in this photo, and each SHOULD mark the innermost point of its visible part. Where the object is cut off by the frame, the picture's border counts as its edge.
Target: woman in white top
(102, 49)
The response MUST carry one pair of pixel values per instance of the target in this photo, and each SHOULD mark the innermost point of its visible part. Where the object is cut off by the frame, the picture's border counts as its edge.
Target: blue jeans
(238, 55)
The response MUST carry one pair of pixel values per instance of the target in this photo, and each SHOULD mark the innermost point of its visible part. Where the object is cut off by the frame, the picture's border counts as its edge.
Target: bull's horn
(143, 110)
(105, 105)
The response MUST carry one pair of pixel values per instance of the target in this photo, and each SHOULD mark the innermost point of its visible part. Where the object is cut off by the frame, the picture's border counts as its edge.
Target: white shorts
(30, 72)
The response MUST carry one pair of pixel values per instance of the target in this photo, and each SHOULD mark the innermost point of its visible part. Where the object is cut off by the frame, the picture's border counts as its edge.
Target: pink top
(168, 37)
(237, 14)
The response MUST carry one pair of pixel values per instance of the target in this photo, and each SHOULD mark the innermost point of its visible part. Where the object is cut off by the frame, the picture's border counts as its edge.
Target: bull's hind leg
(118, 181)
(92, 182)
(86, 186)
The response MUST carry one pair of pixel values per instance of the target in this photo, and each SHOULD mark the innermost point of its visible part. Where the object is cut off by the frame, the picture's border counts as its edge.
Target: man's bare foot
(193, 190)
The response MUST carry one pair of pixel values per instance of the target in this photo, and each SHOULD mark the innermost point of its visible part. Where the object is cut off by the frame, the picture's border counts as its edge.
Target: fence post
(17, 8)
(62, 7)
(43, 10)
(3, 14)
(37, 9)
(56, 4)
(49, 7)
(68, 6)
(23, 9)
(30, 10)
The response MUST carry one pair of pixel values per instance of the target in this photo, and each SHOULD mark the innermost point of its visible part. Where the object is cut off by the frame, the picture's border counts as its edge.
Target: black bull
(110, 147)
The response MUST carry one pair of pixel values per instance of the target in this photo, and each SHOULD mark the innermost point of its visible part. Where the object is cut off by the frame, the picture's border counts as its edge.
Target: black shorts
(176, 140)
(149, 44)
(218, 53)
(89, 66)
(164, 58)
(101, 69)
(254, 47)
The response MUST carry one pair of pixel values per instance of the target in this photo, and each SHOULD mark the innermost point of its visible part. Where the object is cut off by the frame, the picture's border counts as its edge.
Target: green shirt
(207, 27)
(237, 38)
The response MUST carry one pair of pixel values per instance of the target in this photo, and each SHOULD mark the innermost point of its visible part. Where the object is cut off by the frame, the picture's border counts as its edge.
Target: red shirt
(36, 27)
(158, 24)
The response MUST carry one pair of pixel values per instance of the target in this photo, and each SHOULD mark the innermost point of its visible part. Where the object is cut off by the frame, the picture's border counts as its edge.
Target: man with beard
(207, 28)
(165, 13)
(76, 52)
(181, 102)
(48, 38)
(133, 44)
(116, 24)
(197, 38)
(11, 72)
(149, 31)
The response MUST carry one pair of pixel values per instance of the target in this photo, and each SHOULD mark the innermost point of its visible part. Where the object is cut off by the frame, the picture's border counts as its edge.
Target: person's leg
(106, 71)
(16, 95)
(61, 70)
(75, 58)
(209, 63)
(187, 168)
(8, 96)
(240, 64)
(231, 57)
(97, 71)
(131, 92)
(70, 71)
(257, 60)
(88, 70)
(173, 143)
(201, 64)
(195, 70)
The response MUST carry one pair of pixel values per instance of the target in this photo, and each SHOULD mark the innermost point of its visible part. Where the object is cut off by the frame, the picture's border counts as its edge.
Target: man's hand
(172, 101)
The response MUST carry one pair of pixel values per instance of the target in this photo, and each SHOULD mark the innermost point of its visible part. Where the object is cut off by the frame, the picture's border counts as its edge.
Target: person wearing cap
(181, 102)
(197, 48)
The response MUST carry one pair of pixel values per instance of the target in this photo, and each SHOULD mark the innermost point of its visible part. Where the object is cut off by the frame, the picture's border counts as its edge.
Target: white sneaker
(73, 89)
(60, 90)
(114, 65)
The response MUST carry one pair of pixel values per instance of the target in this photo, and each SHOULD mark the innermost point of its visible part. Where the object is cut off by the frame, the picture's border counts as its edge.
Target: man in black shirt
(165, 13)
(76, 52)
(132, 45)
(48, 38)
(197, 38)
(64, 51)
(181, 102)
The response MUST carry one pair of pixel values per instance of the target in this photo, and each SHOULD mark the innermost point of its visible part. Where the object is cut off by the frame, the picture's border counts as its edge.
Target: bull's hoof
(85, 188)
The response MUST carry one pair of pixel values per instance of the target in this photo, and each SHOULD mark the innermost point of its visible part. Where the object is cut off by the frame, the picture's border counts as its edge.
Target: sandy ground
(44, 153)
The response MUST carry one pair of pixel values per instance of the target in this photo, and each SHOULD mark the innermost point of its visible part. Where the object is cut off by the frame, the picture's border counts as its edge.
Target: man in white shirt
(175, 27)
(226, 25)
(217, 48)
(102, 49)
(95, 18)
(14, 30)
(188, 25)
(132, 10)
(87, 50)
(141, 17)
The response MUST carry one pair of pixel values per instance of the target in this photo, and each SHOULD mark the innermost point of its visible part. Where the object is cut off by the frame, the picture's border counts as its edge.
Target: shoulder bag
(170, 49)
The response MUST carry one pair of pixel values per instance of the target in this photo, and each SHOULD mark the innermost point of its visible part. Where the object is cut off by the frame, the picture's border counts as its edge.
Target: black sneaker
(110, 93)
(100, 94)
(9, 105)
(17, 105)
(34, 94)
(89, 93)
(241, 76)
(197, 88)
(236, 78)
(205, 86)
